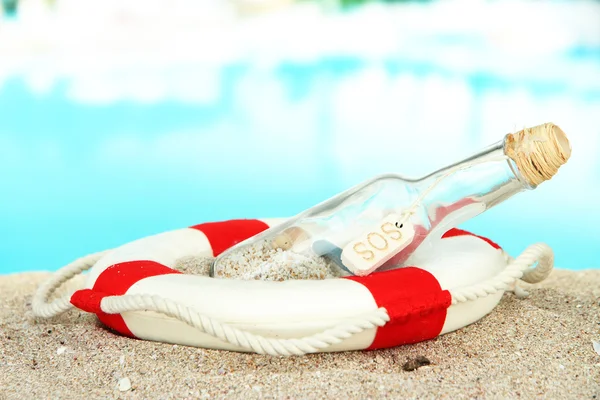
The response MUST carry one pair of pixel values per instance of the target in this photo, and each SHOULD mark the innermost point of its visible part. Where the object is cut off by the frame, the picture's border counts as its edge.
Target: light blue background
(88, 166)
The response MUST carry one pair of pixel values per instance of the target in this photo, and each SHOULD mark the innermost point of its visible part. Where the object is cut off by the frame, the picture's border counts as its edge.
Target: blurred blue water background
(135, 122)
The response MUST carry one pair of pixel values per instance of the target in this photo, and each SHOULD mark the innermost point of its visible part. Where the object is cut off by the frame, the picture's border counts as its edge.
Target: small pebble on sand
(124, 384)
(416, 363)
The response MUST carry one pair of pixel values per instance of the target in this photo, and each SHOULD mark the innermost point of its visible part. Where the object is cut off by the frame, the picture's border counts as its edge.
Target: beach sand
(538, 347)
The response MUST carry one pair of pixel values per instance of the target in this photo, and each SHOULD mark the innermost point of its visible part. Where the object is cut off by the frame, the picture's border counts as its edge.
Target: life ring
(135, 290)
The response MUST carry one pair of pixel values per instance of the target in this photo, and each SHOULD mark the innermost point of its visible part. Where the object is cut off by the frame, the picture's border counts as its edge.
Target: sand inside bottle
(262, 261)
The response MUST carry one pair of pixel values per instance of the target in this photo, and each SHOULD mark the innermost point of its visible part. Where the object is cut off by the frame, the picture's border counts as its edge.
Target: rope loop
(39, 303)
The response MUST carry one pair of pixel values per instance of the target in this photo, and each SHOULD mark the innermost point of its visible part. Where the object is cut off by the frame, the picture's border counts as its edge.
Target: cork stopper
(538, 152)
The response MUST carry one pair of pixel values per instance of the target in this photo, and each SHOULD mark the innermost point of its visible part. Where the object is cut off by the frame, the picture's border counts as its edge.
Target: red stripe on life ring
(459, 232)
(223, 235)
(114, 281)
(415, 302)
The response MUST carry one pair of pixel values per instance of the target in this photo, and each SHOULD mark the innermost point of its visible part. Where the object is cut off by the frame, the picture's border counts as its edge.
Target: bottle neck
(492, 156)
(470, 186)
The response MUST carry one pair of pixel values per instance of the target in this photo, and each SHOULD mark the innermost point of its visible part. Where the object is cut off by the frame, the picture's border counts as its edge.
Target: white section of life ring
(284, 310)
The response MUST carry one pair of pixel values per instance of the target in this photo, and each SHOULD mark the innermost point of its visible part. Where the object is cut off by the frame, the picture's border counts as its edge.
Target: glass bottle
(379, 223)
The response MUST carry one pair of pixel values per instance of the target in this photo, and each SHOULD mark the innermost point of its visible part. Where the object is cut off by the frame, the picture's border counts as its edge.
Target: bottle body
(379, 223)
(325, 229)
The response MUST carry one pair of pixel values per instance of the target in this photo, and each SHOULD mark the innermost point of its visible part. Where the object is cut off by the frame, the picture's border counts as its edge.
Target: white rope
(40, 305)
(245, 339)
(519, 268)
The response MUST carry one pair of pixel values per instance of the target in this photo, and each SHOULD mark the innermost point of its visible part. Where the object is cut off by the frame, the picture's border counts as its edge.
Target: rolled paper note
(289, 237)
